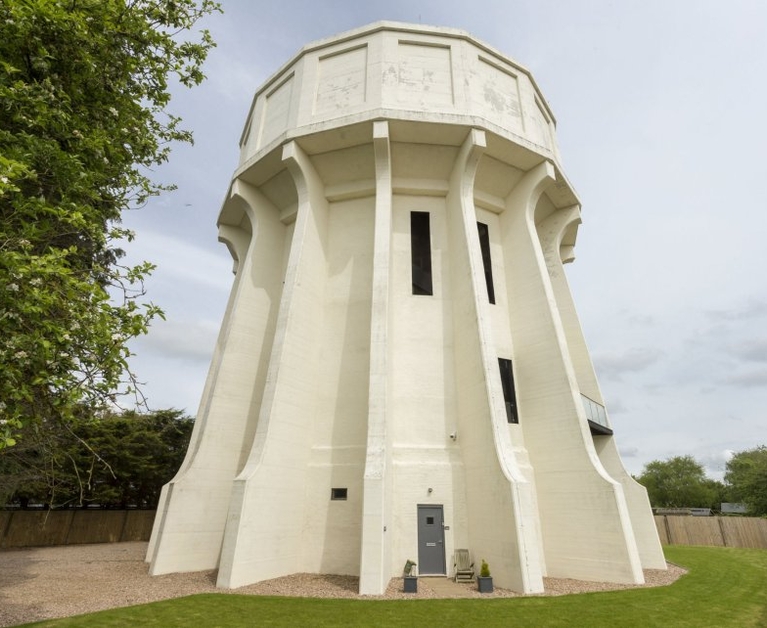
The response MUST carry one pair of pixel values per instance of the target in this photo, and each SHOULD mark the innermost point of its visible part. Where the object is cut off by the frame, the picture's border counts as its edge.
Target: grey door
(431, 540)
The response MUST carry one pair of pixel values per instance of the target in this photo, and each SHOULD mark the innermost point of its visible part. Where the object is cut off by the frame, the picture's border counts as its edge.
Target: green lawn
(725, 587)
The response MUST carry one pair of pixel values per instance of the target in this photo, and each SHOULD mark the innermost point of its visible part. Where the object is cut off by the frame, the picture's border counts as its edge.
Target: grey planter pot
(485, 585)
(411, 584)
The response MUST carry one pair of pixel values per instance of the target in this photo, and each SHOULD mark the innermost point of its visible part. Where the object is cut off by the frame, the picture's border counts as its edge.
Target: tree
(746, 479)
(678, 482)
(84, 87)
(118, 461)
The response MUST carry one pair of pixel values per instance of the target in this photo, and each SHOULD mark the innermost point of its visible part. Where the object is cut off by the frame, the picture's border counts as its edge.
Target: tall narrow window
(484, 245)
(509, 394)
(420, 251)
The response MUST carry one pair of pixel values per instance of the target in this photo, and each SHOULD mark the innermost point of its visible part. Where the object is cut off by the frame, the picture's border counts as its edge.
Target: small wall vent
(338, 493)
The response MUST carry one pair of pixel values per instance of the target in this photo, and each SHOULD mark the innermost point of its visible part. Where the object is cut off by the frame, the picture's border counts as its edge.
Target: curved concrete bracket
(551, 232)
(465, 167)
(307, 182)
(236, 232)
(530, 187)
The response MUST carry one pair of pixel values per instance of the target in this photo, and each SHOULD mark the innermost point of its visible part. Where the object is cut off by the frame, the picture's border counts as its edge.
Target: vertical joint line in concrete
(379, 315)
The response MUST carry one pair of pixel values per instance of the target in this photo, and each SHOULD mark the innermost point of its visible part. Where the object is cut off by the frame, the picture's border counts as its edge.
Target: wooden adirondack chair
(462, 566)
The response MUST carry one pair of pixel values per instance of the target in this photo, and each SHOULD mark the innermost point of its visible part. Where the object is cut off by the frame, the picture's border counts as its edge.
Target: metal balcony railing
(596, 415)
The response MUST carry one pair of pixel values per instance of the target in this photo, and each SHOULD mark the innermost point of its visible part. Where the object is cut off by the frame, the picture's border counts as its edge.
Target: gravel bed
(44, 583)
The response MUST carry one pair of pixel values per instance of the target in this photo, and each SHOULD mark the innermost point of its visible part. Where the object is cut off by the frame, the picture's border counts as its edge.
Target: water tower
(401, 371)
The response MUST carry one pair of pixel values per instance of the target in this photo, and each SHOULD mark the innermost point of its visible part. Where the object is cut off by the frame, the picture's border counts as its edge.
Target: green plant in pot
(410, 577)
(484, 579)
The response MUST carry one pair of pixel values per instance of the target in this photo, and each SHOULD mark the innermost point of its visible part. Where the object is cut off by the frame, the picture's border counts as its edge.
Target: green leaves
(83, 97)
(111, 460)
(679, 482)
(746, 478)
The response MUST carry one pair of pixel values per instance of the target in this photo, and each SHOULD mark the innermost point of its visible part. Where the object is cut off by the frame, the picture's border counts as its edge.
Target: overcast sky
(661, 111)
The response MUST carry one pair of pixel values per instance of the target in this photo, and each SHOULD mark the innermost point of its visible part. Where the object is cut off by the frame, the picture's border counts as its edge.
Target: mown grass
(724, 587)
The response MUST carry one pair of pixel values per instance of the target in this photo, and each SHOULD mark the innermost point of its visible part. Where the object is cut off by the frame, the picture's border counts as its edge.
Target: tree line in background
(113, 461)
(681, 482)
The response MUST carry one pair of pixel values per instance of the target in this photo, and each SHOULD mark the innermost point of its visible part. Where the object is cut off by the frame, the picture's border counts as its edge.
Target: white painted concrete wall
(643, 524)
(330, 373)
(189, 528)
(422, 382)
(332, 532)
(388, 68)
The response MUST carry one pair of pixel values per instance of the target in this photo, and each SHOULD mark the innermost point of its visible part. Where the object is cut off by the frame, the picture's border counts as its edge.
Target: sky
(661, 112)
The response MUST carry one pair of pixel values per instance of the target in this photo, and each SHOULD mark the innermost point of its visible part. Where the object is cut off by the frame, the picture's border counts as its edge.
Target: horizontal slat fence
(35, 528)
(717, 531)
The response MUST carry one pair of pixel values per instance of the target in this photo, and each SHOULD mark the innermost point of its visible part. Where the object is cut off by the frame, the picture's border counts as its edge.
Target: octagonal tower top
(403, 72)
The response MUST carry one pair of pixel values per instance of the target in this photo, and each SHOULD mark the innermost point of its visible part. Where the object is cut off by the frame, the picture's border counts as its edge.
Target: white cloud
(754, 308)
(714, 462)
(182, 340)
(751, 351)
(748, 379)
(615, 406)
(184, 261)
(616, 364)
(628, 452)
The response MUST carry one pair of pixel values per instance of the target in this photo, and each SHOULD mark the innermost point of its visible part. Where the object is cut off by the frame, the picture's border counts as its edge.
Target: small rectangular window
(509, 393)
(484, 245)
(429, 521)
(338, 493)
(420, 252)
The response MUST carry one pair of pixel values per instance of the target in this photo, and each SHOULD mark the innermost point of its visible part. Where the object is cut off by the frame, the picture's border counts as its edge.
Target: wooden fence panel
(660, 523)
(705, 531)
(37, 528)
(677, 530)
(744, 532)
(5, 522)
(138, 525)
(96, 526)
(712, 531)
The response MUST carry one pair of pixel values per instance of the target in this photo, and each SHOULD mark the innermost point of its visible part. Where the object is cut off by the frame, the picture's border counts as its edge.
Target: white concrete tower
(401, 371)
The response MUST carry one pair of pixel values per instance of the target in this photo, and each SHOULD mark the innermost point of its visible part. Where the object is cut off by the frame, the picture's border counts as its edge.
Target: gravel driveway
(49, 582)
